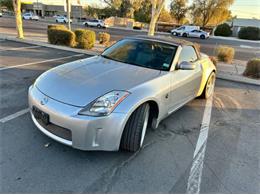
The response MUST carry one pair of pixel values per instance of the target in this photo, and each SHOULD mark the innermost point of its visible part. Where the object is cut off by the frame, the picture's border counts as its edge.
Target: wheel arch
(207, 70)
(154, 109)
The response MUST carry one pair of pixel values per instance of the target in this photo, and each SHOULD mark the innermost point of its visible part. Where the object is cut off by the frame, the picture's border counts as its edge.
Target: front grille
(56, 130)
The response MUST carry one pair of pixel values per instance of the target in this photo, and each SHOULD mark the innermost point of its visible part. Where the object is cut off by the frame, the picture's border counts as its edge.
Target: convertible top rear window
(145, 53)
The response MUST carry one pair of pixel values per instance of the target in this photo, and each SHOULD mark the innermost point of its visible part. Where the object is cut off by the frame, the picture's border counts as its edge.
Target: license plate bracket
(40, 115)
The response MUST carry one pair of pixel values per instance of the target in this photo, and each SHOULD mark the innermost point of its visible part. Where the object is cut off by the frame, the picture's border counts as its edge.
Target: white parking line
(3, 67)
(15, 115)
(194, 181)
(19, 48)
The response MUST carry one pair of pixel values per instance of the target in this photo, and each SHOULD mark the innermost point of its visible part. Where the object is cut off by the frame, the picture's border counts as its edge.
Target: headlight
(105, 104)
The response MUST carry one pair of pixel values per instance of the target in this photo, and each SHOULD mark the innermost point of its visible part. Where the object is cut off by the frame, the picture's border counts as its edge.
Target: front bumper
(87, 132)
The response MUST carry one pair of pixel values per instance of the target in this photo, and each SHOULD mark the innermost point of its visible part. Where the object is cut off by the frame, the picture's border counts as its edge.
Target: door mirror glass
(186, 66)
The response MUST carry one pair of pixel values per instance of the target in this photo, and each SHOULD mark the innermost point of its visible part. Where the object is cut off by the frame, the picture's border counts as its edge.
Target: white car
(182, 30)
(30, 16)
(62, 19)
(95, 23)
(198, 34)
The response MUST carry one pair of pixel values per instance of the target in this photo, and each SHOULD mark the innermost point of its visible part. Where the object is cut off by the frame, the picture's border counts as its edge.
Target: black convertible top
(166, 39)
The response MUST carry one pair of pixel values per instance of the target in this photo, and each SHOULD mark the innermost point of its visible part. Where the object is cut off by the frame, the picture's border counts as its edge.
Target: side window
(188, 54)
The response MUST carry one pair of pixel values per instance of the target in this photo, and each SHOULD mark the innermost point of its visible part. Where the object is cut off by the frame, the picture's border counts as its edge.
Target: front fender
(207, 68)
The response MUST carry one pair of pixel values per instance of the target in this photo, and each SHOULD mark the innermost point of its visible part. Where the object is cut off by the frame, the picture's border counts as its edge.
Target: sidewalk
(231, 72)
(234, 72)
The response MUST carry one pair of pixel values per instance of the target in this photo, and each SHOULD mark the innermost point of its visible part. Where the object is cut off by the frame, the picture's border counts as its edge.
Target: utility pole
(68, 12)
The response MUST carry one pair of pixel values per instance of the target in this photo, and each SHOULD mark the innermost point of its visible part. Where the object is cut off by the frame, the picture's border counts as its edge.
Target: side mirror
(186, 66)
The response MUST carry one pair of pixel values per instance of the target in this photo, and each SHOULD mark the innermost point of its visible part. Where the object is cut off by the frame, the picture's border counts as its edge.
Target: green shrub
(251, 33)
(57, 26)
(225, 53)
(61, 37)
(103, 38)
(214, 60)
(223, 30)
(85, 38)
(253, 68)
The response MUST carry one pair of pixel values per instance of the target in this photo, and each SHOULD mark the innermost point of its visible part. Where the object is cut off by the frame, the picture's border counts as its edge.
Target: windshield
(145, 53)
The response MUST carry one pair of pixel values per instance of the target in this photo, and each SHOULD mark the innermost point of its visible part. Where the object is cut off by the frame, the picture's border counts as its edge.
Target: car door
(194, 33)
(185, 83)
(92, 23)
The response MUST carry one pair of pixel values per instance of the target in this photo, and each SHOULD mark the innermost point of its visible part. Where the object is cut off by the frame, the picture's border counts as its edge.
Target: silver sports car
(106, 102)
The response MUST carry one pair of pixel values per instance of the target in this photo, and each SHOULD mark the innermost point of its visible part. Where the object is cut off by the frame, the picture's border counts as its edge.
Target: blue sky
(241, 8)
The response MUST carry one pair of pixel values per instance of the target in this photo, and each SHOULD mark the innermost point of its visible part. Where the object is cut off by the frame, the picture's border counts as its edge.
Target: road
(37, 30)
(30, 162)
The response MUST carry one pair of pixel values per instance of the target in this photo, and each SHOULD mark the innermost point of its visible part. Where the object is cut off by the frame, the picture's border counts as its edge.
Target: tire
(64, 22)
(99, 26)
(56, 21)
(86, 24)
(202, 36)
(135, 129)
(209, 86)
(174, 33)
(184, 34)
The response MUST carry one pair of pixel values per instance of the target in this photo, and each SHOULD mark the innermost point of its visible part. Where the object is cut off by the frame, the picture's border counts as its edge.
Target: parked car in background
(55, 16)
(198, 34)
(62, 19)
(106, 102)
(183, 30)
(95, 23)
(30, 16)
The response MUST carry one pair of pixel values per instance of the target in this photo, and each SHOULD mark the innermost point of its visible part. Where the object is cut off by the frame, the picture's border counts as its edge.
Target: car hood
(80, 82)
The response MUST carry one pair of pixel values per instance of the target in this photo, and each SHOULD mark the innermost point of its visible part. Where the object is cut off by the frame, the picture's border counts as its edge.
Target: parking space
(32, 163)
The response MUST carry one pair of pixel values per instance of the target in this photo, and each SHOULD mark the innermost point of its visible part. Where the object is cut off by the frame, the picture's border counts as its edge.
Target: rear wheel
(86, 24)
(202, 36)
(209, 87)
(184, 34)
(135, 129)
(99, 26)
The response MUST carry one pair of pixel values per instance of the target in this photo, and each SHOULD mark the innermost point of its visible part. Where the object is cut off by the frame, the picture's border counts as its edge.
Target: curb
(82, 51)
(243, 80)
(233, 39)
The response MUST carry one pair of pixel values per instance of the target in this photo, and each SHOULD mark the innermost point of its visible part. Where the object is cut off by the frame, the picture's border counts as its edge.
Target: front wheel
(135, 129)
(99, 26)
(209, 87)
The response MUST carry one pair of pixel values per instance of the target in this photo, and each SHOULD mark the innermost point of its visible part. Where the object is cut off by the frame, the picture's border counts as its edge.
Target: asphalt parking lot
(30, 162)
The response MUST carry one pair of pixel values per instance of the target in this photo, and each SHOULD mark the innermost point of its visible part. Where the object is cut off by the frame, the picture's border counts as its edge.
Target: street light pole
(68, 13)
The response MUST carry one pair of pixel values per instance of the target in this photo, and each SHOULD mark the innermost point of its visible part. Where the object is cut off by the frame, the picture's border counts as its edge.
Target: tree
(68, 12)
(178, 9)
(165, 16)
(157, 6)
(7, 3)
(113, 3)
(92, 11)
(18, 18)
(143, 12)
(204, 11)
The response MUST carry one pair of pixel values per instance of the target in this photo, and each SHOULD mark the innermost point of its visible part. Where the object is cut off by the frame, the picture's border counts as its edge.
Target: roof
(166, 39)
